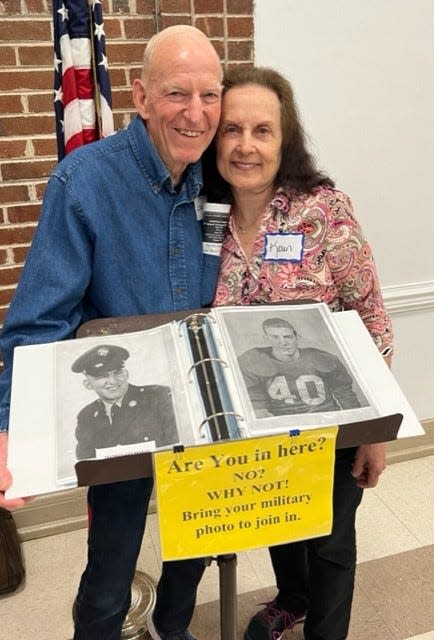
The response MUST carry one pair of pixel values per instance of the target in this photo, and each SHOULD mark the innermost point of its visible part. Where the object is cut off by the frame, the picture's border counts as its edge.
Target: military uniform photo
(123, 413)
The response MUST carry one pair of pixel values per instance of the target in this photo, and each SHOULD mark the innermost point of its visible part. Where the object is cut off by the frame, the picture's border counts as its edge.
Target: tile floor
(394, 596)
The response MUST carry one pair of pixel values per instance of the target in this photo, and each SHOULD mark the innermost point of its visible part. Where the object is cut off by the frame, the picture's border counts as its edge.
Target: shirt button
(175, 251)
(178, 291)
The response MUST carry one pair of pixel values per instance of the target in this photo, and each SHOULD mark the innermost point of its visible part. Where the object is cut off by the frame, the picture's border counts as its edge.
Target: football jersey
(314, 383)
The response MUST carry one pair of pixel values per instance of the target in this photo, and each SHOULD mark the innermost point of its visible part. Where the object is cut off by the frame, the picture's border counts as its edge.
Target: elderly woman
(271, 181)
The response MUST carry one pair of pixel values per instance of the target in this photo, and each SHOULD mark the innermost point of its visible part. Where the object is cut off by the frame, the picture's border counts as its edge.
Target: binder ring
(225, 364)
(220, 413)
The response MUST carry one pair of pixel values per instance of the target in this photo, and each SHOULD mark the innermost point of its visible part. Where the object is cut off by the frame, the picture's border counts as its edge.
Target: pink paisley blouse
(336, 265)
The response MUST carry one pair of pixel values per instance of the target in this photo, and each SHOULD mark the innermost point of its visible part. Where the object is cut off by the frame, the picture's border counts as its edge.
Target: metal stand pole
(228, 595)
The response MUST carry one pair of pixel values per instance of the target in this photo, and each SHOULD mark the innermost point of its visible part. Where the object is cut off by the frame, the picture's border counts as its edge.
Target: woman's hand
(369, 464)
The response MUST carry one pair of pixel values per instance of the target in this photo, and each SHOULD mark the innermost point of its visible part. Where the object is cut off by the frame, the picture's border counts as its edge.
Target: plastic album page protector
(291, 368)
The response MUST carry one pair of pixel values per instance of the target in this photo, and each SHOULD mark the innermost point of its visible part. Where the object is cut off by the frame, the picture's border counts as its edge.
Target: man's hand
(6, 477)
(369, 464)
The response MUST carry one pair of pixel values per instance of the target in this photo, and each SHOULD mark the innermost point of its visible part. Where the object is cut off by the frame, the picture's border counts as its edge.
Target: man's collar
(154, 168)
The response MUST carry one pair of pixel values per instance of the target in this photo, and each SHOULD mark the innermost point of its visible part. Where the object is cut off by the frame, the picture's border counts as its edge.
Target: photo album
(218, 374)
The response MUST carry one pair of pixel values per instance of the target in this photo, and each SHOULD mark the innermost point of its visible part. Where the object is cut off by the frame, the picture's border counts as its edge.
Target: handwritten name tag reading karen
(284, 247)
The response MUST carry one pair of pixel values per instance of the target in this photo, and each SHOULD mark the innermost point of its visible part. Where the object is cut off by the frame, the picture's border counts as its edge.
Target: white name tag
(284, 247)
(125, 449)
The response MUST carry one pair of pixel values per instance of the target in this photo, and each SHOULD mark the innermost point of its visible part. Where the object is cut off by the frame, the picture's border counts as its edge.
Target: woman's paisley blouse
(336, 265)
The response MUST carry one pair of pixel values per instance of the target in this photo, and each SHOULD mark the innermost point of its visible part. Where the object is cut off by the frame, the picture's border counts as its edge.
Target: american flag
(82, 94)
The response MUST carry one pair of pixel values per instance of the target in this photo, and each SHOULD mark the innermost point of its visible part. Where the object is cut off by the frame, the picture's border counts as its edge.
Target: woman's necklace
(243, 229)
(247, 228)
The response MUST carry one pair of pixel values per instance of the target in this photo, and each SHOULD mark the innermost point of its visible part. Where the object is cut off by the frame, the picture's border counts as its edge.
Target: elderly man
(120, 234)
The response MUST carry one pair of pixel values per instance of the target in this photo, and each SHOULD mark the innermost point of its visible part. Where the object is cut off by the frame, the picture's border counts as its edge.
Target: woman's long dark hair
(297, 170)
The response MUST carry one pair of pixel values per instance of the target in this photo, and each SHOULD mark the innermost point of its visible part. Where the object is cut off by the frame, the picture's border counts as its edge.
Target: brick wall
(27, 139)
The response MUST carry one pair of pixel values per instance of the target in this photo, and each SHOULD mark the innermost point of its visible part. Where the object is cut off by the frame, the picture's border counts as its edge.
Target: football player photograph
(123, 413)
(284, 378)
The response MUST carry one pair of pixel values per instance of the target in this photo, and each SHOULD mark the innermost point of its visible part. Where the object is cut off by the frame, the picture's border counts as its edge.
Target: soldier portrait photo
(113, 395)
(122, 413)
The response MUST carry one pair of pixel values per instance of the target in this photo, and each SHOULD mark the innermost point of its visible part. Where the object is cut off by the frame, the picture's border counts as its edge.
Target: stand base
(143, 595)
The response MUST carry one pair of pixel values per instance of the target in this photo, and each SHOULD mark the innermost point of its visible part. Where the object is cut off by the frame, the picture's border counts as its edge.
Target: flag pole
(97, 93)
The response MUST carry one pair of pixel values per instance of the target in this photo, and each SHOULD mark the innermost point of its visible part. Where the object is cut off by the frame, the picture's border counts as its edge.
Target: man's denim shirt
(114, 239)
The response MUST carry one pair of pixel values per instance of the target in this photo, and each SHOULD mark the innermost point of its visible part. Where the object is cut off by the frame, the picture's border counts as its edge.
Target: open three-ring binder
(226, 379)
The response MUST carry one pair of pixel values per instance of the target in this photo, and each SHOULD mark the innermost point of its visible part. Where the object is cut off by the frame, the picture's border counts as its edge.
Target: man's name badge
(284, 247)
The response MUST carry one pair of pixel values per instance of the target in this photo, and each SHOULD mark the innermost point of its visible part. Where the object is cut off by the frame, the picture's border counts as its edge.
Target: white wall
(363, 76)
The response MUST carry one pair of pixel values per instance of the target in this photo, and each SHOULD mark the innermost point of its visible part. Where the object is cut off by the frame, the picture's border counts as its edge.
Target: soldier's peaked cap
(100, 360)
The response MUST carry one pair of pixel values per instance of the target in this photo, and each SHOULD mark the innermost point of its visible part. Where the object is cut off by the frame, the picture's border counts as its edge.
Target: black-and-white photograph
(291, 363)
(284, 367)
(113, 397)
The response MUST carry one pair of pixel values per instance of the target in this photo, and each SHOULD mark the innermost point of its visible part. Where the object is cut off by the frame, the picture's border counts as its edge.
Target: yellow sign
(243, 494)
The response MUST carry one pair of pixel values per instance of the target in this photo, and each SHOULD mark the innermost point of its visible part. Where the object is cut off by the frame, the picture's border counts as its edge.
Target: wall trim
(53, 513)
(66, 511)
(411, 296)
(412, 448)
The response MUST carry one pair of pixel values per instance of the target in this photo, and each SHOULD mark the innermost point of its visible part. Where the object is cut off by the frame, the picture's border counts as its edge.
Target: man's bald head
(177, 37)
